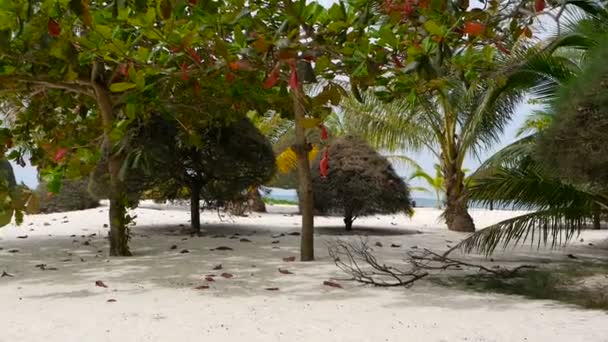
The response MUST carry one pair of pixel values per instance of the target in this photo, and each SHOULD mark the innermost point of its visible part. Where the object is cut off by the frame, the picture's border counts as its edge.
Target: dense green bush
(73, 195)
(360, 182)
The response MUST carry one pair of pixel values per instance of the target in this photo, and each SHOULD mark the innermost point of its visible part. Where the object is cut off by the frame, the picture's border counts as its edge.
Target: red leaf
(289, 259)
(123, 69)
(176, 49)
(195, 56)
(202, 287)
(53, 28)
(100, 283)
(184, 76)
(227, 275)
(293, 78)
(230, 77)
(111, 300)
(502, 48)
(474, 28)
(60, 154)
(192, 2)
(539, 5)
(407, 8)
(324, 164)
(332, 284)
(209, 279)
(273, 78)
(283, 271)
(423, 3)
(197, 88)
(241, 64)
(324, 133)
(397, 62)
(272, 289)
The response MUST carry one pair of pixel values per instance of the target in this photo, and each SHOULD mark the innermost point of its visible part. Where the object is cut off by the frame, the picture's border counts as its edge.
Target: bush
(576, 144)
(360, 182)
(73, 195)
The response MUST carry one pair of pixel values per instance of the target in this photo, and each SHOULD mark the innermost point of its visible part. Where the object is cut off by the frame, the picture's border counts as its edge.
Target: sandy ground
(155, 299)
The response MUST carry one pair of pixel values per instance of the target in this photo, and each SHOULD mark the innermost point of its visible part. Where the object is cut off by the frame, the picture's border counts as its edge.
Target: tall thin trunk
(119, 239)
(456, 212)
(301, 147)
(195, 205)
(597, 220)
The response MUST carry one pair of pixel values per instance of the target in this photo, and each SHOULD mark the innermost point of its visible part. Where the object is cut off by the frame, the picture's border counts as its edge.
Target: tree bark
(255, 201)
(597, 220)
(302, 148)
(195, 205)
(119, 238)
(456, 212)
(348, 222)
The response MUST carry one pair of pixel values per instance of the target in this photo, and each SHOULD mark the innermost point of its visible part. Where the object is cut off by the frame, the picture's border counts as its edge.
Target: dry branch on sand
(357, 260)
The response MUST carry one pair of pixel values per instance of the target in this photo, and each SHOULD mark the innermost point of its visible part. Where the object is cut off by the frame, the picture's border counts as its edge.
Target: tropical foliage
(536, 172)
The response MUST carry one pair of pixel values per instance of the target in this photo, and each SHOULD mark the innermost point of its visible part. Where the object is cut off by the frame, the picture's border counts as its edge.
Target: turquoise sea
(291, 195)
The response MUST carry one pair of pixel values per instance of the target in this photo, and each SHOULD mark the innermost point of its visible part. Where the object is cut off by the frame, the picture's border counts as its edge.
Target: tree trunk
(301, 147)
(456, 212)
(195, 206)
(255, 201)
(597, 222)
(348, 222)
(119, 238)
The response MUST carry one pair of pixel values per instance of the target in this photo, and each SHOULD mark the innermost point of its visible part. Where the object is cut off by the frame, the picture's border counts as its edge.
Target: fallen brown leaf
(227, 275)
(217, 267)
(209, 279)
(111, 300)
(202, 287)
(100, 283)
(332, 284)
(272, 289)
(289, 259)
(283, 271)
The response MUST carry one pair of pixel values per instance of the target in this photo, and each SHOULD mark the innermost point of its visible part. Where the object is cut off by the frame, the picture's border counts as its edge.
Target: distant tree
(359, 182)
(74, 195)
(233, 159)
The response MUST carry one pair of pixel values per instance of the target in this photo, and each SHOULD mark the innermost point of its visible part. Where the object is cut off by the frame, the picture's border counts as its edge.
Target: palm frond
(509, 155)
(392, 126)
(402, 160)
(551, 226)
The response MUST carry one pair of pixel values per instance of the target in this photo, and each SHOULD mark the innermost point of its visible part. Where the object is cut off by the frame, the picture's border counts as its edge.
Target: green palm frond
(560, 210)
(552, 226)
(392, 126)
(402, 160)
(535, 123)
(509, 155)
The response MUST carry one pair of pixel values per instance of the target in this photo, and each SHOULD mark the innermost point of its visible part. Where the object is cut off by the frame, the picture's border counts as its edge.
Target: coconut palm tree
(435, 183)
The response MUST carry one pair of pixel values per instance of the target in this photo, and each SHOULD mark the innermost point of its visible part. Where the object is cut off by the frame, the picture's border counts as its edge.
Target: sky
(29, 176)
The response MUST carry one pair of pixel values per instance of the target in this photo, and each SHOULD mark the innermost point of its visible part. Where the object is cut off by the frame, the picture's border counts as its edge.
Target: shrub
(360, 182)
(73, 195)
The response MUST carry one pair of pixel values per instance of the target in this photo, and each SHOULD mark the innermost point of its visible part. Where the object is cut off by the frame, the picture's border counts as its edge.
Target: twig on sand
(358, 261)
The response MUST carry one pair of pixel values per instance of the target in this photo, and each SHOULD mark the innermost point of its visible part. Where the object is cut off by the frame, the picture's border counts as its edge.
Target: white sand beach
(152, 296)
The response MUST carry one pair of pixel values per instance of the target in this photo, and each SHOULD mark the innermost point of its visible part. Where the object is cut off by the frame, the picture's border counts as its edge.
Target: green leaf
(121, 86)
(388, 37)
(7, 69)
(432, 28)
(335, 12)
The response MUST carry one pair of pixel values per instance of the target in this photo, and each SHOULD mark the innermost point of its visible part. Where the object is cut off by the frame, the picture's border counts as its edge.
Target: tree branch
(78, 86)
